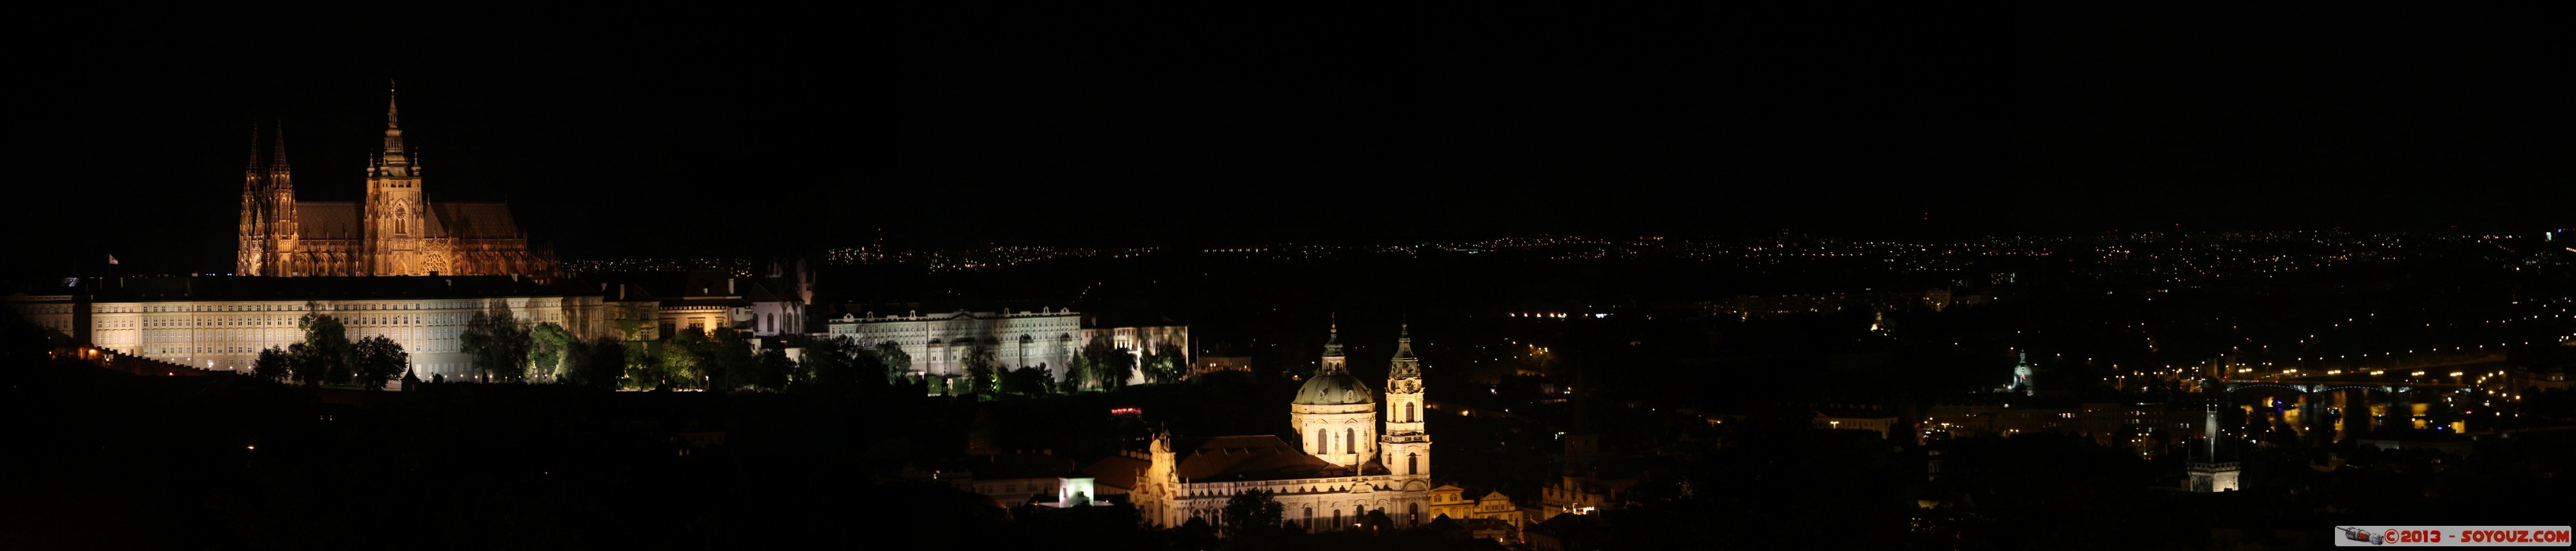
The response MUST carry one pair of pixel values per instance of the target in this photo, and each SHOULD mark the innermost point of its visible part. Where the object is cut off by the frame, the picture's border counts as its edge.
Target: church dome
(1335, 389)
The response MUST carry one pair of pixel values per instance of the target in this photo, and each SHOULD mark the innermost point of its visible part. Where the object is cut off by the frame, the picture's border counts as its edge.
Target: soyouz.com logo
(2446, 536)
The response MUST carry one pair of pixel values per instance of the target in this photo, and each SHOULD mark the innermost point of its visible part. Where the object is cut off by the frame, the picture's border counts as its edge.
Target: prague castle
(396, 230)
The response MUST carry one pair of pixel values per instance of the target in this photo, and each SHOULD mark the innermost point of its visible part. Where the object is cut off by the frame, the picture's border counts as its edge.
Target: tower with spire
(394, 206)
(268, 218)
(1406, 448)
(246, 258)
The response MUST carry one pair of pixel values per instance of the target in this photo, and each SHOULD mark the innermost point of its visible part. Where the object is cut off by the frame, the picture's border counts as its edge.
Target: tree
(1195, 534)
(326, 352)
(983, 375)
(599, 363)
(378, 361)
(1252, 513)
(725, 360)
(1027, 381)
(770, 370)
(679, 357)
(643, 367)
(832, 363)
(274, 364)
(1073, 376)
(1165, 363)
(546, 348)
(897, 363)
(497, 343)
(303, 374)
(1108, 367)
(1118, 368)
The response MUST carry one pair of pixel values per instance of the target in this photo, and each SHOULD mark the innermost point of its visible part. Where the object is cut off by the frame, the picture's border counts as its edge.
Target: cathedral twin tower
(395, 231)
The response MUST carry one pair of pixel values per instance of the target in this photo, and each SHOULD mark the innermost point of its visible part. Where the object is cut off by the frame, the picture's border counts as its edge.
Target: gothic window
(399, 216)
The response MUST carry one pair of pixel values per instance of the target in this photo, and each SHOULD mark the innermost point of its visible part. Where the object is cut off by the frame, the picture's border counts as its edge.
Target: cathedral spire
(252, 178)
(1404, 341)
(394, 161)
(393, 112)
(1333, 347)
(254, 167)
(277, 153)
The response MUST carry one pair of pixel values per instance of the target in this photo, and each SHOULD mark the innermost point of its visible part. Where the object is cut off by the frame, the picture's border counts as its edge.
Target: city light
(751, 282)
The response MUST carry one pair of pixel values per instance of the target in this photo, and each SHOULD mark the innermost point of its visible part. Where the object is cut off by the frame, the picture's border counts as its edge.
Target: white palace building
(221, 323)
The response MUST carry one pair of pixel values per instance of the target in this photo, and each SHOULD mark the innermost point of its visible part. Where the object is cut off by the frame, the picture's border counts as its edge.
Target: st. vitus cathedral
(395, 231)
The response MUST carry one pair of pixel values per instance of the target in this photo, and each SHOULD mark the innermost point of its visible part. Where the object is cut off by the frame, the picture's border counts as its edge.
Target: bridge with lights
(2349, 405)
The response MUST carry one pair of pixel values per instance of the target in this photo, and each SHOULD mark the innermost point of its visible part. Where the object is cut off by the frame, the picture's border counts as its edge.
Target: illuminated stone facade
(938, 343)
(1450, 501)
(1330, 482)
(221, 324)
(396, 230)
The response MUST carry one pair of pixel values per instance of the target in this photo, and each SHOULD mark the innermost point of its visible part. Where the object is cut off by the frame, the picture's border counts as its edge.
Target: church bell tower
(394, 207)
(1406, 447)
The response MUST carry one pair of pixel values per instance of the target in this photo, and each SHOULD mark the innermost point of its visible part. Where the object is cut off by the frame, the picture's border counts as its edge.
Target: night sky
(754, 133)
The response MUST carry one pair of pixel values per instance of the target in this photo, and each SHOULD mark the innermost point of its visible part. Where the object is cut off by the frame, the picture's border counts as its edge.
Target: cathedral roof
(1116, 471)
(327, 219)
(1256, 457)
(340, 219)
(472, 220)
(755, 290)
(1335, 389)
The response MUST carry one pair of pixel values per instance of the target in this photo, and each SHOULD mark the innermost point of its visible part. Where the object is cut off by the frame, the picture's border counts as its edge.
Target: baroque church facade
(1352, 457)
(396, 230)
